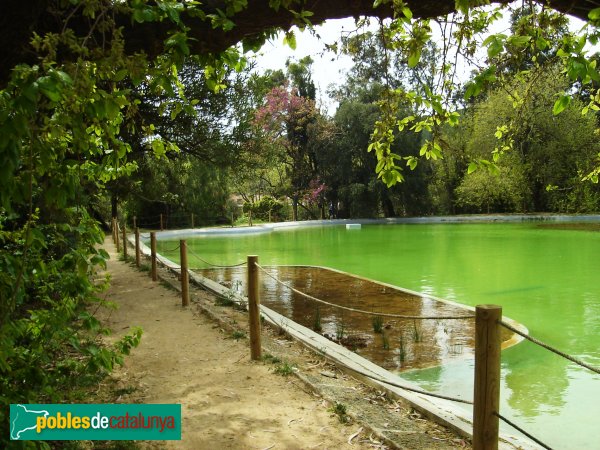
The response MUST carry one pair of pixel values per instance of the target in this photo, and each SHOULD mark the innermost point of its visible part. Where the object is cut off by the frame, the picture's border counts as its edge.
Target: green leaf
(541, 43)
(561, 104)
(412, 163)
(414, 57)
(462, 6)
(594, 14)
(158, 147)
(472, 167)
(519, 41)
(495, 44)
(290, 39)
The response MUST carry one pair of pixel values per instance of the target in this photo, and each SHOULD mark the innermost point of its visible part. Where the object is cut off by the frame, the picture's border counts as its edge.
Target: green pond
(543, 277)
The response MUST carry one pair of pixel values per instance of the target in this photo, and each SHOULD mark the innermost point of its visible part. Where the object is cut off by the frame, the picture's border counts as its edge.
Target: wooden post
(124, 241)
(486, 397)
(137, 247)
(117, 235)
(161, 222)
(253, 308)
(134, 222)
(153, 254)
(114, 230)
(192, 220)
(185, 278)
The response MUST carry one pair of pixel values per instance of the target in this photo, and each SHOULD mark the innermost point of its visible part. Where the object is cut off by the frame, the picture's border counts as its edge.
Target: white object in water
(353, 226)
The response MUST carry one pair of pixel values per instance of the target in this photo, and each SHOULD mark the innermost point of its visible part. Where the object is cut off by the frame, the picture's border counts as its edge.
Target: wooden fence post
(153, 254)
(486, 397)
(253, 308)
(192, 220)
(185, 278)
(114, 230)
(117, 235)
(137, 247)
(134, 222)
(124, 241)
(161, 222)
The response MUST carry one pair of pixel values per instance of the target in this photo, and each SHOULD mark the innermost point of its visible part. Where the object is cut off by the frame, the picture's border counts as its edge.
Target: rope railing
(388, 382)
(214, 265)
(360, 311)
(573, 359)
(177, 247)
(522, 431)
(487, 367)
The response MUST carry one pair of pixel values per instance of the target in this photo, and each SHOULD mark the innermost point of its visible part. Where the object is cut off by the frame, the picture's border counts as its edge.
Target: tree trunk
(113, 205)
(387, 205)
(294, 208)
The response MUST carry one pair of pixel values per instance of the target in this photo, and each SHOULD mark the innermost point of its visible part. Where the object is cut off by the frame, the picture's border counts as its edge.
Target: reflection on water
(412, 343)
(544, 393)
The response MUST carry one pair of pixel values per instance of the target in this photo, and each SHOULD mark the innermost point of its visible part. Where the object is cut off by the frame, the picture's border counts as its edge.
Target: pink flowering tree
(285, 119)
(315, 195)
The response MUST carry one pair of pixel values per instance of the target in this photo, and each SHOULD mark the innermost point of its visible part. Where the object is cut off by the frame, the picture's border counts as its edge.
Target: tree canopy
(211, 27)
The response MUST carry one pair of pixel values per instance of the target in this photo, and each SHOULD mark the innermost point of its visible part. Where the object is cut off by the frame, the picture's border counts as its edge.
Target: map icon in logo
(23, 420)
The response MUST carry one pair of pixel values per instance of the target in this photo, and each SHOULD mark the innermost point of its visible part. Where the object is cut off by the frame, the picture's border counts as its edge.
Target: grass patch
(224, 300)
(237, 335)
(340, 330)
(402, 348)
(417, 332)
(317, 321)
(268, 358)
(377, 324)
(340, 410)
(284, 369)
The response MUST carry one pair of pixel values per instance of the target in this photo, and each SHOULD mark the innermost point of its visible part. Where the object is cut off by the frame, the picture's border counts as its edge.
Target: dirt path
(227, 400)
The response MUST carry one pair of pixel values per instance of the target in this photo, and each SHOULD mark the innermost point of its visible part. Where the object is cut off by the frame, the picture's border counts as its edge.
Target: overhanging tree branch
(19, 19)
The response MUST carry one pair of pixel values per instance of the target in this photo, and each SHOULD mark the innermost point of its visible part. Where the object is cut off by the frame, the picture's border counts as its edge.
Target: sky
(329, 68)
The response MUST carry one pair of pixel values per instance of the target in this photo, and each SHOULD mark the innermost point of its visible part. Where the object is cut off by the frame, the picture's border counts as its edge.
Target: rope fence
(177, 247)
(360, 311)
(195, 255)
(521, 430)
(488, 320)
(176, 219)
(573, 359)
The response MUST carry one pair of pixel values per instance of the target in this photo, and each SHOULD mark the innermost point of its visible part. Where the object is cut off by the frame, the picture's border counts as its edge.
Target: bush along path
(291, 399)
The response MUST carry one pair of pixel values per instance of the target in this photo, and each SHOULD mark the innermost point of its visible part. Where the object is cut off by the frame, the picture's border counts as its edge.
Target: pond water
(544, 278)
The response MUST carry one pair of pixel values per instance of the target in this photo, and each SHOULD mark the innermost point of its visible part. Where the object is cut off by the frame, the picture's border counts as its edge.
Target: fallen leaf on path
(291, 421)
(328, 374)
(354, 435)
